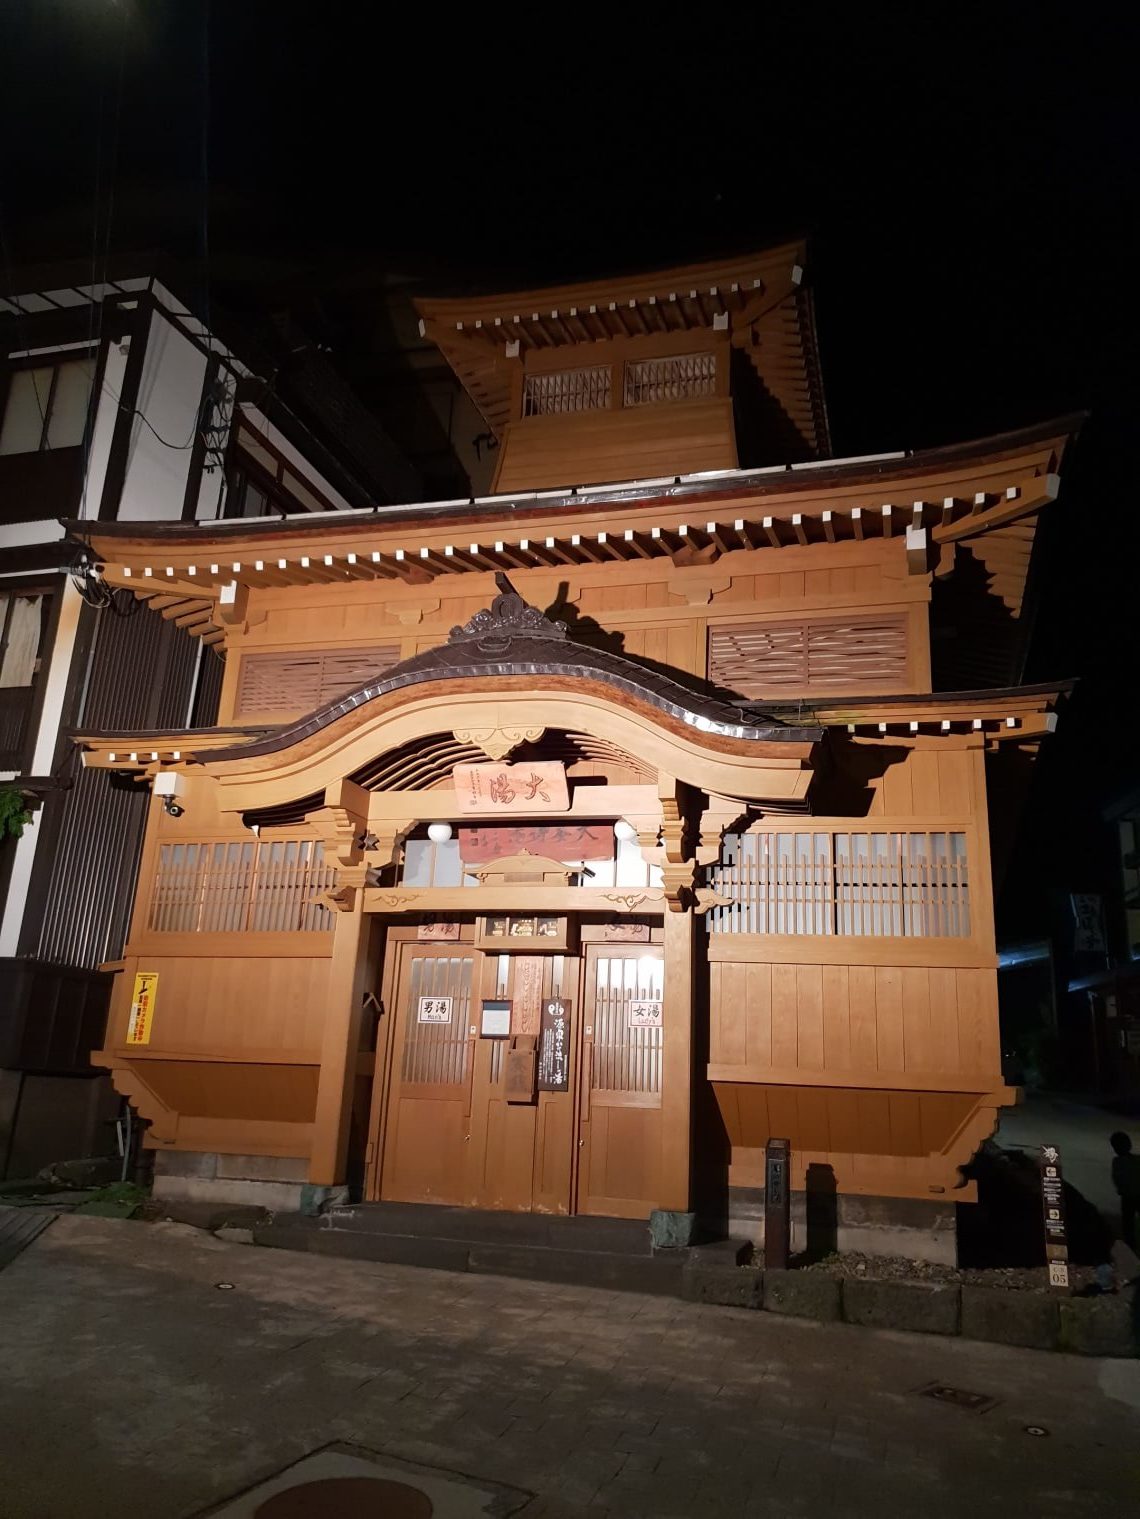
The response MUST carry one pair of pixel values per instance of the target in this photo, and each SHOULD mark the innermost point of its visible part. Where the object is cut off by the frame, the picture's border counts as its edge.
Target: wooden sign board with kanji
(511, 790)
(556, 841)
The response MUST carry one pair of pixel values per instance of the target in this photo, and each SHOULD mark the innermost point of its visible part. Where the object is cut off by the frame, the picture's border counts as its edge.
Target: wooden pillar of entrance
(348, 972)
(677, 1062)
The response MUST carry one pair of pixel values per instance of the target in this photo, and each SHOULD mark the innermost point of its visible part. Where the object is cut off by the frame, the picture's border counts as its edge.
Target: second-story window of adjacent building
(45, 406)
(22, 619)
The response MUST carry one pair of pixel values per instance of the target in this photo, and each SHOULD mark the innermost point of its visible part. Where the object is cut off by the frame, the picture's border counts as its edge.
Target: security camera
(170, 785)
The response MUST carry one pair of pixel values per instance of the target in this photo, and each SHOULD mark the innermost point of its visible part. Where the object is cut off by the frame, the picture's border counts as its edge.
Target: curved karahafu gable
(511, 638)
(538, 677)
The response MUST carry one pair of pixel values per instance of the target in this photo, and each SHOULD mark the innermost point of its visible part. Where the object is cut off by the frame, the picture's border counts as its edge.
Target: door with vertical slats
(429, 1108)
(619, 1168)
(520, 1153)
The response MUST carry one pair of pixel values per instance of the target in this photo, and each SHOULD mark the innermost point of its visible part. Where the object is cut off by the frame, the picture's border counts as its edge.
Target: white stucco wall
(170, 395)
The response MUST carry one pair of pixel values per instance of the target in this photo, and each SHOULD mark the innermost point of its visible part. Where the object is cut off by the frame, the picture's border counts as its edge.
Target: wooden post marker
(1053, 1212)
(777, 1203)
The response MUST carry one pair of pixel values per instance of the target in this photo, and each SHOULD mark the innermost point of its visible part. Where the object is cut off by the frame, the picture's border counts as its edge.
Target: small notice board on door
(495, 1021)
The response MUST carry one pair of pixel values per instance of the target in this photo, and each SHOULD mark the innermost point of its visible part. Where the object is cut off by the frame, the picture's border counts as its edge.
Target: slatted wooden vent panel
(302, 681)
(848, 654)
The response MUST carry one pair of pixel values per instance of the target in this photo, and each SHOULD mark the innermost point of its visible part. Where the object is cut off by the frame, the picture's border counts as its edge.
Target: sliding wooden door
(619, 1171)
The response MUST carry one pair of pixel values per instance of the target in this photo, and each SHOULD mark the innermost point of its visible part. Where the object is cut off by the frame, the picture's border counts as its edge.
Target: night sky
(967, 176)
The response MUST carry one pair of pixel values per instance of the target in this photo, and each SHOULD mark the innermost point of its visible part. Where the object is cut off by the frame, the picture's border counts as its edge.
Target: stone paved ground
(131, 1386)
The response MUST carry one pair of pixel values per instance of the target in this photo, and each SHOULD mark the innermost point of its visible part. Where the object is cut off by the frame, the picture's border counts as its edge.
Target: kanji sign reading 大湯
(434, 1010)
(511, 789)
(142, 1007)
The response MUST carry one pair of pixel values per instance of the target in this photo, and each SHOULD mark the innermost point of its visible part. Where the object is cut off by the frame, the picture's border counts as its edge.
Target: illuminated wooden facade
(781, 919)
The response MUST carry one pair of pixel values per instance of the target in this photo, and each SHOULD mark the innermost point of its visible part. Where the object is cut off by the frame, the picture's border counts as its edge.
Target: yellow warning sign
(140, 1022)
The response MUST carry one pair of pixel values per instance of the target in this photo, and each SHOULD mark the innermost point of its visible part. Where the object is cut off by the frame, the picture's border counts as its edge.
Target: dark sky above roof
(967, 176)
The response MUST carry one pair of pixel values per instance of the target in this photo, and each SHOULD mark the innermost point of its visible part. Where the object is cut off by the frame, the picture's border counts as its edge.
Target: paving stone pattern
(132, 1385)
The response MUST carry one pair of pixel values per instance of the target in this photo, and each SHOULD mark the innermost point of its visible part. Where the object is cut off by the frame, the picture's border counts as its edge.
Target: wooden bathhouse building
(556, 849)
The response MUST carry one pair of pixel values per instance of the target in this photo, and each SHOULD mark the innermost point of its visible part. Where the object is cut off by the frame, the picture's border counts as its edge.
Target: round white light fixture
(439, 833)
(624, 831)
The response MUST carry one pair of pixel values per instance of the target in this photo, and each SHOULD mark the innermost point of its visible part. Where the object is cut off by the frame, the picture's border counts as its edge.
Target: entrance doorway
(454, 1127)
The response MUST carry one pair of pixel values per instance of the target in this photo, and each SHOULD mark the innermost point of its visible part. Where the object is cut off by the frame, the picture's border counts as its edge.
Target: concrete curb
(1104, 1326)
(921, 1307)
(715, 1275)
(803, 1295)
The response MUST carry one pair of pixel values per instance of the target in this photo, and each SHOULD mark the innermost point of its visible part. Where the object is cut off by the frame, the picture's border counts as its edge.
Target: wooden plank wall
(591, 447)
(238, 1007)
(659, 612)
(877, 1056)
(925, 1026)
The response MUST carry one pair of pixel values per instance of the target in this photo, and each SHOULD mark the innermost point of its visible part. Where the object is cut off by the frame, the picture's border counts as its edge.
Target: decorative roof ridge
(792, 479)
(640, 276)
(492, 628)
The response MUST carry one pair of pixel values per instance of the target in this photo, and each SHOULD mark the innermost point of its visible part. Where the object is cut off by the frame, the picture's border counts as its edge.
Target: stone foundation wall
(264, 1181)
(920, 1231)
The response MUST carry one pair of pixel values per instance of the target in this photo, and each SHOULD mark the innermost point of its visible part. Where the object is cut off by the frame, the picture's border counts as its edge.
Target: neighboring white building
(117, 402)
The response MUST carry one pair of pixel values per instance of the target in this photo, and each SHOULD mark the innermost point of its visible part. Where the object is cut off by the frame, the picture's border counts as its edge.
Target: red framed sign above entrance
(554, 841)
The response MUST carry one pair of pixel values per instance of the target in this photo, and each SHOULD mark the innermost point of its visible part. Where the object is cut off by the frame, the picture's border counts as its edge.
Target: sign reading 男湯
(141, 1019)
(645, 1014)
(434, 1010)
(511, 789)
(554, 1046)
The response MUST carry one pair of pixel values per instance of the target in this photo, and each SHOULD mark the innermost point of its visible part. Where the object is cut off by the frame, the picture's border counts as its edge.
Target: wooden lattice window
(847, 654)
(304, 680)
(263, 886)
(680, 377)
(913, 885)
(567, 390)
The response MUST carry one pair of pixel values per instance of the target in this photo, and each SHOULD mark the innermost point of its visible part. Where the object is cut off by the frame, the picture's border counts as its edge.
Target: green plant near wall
(13, 812)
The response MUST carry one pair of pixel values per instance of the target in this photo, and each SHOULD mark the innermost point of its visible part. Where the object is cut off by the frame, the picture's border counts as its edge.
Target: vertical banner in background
(1088, 934)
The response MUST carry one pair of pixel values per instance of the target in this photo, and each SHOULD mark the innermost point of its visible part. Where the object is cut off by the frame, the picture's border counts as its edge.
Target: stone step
(638, 1271)
(618, 1236)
